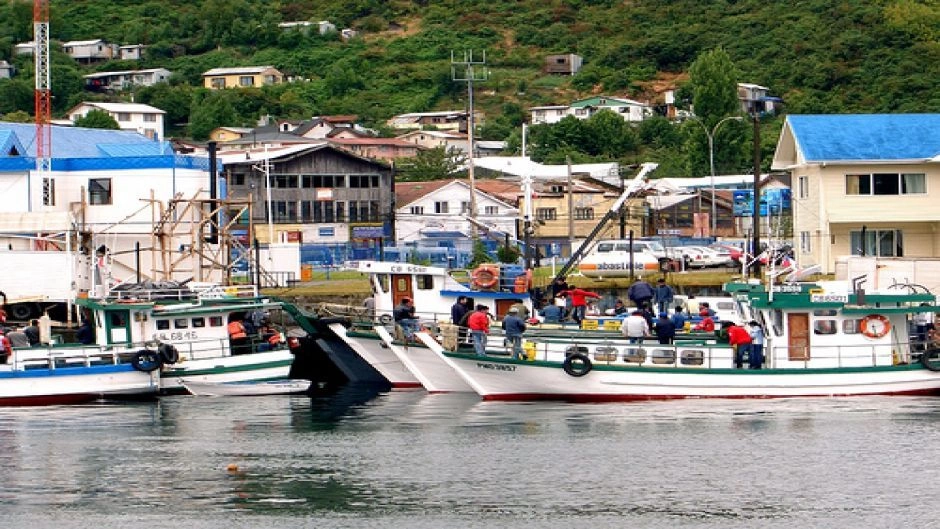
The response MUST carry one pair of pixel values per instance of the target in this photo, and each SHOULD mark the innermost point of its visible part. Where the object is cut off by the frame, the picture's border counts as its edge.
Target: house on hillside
(24, 48)
(319, 194)
(123, 80)
(863, 184)
(756, 99)
(89, 51)
(567, 64)
(428, 209)
(429, 139)
(454, 120)
(143, 119)
(7, 70)
(322, 126)
(131, 52)
(222, 134)
(241, 77)
(628, 109)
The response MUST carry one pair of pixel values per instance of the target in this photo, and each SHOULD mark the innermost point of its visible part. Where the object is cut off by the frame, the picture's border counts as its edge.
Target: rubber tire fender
(168, 354)
(385, 319)
(146, 360)
(577, 365)
(925, 360)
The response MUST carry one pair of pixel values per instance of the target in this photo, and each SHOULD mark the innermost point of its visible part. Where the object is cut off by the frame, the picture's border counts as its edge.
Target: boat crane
(635, 185)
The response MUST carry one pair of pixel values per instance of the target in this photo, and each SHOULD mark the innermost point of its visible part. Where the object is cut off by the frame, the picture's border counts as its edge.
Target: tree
(714, 87)
(17, 116)
(97, 119)
(430, 164)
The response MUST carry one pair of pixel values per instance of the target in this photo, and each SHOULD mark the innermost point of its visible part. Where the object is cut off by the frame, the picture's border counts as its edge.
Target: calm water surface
(408, 459)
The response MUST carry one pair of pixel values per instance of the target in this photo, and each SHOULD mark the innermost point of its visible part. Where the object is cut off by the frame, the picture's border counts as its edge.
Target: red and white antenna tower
(43, 86)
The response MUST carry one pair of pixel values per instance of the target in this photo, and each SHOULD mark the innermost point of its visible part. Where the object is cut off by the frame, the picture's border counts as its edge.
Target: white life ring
(875, 326)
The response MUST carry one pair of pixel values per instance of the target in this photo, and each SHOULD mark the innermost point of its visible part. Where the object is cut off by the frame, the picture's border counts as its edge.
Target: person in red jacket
(479, 324)
(740, 340)
(578, 301)
(707, 324)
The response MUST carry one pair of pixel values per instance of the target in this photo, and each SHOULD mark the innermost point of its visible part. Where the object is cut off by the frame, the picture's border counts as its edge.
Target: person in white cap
(514, 327)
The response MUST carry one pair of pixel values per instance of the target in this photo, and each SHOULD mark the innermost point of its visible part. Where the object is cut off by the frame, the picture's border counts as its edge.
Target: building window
(491, 210)
(237, 179)
(284, 211)
(885, 184)
(546, 214)
(881, 243)
(583, 213)
(150, 118)
(441, 207)
(48, 192)
(803, 187)
(123, 116)
(327, 232)
(246, 80)
(284, 181)
(363, 181)
(465, 207)
(217, 82)
(99, 191)
(417, 210)
(805, 242)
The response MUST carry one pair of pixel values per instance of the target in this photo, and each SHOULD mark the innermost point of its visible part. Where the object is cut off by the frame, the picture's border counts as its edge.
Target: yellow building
(242, 77)
(862, 185)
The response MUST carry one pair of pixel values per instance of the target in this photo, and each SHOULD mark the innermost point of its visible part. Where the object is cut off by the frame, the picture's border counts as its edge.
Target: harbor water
(361, 458)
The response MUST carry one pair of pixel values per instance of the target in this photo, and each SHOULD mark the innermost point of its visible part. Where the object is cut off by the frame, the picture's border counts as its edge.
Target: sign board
(367, 232)
(324, 193)
(829, 298)
(669, 232)
(611, 325)
(589, 325)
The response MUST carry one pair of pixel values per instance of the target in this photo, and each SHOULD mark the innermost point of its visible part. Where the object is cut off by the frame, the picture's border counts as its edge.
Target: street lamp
(711, 159)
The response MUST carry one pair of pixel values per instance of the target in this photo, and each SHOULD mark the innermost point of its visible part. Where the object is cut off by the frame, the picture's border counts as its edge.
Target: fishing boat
(434, 290)
(822, 339)
(180, 331)
(65, 374)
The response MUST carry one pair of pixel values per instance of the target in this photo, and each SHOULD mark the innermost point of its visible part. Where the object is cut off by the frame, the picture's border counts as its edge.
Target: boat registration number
(176, 335)
(495, 367)
(829, 298)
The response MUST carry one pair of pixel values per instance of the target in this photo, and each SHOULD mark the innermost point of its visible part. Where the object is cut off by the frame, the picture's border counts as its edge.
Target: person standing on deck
(663, 295)
(238, 336)
(579, 302)
(514, 327)
(740, 341)
(640, 292)
(458, 310)
(756, 353)
(665, 330)
(634, 327)
(479, 324)
(32, 332)
(679, 318)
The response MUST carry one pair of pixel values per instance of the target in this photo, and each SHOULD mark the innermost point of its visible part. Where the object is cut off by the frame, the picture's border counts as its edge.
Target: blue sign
(776, 200)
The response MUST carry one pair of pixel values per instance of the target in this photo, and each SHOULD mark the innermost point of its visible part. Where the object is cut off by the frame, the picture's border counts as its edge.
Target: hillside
(819, 56)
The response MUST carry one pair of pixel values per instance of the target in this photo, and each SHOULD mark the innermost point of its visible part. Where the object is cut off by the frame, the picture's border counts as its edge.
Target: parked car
(735, 252)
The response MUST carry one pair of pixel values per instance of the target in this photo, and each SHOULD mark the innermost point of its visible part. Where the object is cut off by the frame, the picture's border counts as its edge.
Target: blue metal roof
(76, 149)
(866, 136)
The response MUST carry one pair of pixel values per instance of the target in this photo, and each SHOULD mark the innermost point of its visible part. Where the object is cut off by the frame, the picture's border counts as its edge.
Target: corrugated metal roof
(861, 137)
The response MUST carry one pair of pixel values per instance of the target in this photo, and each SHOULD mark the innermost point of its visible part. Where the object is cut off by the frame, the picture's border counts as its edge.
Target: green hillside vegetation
(820, 56)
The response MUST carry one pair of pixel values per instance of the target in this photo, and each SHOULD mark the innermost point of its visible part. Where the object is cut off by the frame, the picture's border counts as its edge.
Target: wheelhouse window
(824, 322)
(881, 243)
(99, 191)
(851, 326)
(885, 184)
(424, 282)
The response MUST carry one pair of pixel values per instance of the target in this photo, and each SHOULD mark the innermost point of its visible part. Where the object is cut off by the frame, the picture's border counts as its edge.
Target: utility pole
(466, 71)
(570, 208)
(756, 212)
(527, 229)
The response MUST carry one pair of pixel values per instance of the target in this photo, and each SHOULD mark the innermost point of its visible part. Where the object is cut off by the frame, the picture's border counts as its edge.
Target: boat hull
(427, 366)
(380, 357)
(506, 379)
(268, 365)
(75, 385)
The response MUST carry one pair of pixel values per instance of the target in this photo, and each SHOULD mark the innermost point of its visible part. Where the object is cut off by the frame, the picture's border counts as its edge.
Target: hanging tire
(577, 365)
(146, 360)
(931, 359)
(168, 354)
(385, 319)
(21, 311)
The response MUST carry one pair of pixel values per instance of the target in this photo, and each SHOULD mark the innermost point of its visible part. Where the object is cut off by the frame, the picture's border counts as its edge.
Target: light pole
(711, 160)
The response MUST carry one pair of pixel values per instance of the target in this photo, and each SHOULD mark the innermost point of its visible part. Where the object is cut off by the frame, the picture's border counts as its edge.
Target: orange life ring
(523, 283)
(875, 326)
(485, 276)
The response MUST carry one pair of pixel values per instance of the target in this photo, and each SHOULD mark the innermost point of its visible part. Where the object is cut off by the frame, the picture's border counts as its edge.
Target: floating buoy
(232, 467)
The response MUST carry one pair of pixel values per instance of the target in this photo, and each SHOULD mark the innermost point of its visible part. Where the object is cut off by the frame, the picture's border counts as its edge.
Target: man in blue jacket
(514, 327)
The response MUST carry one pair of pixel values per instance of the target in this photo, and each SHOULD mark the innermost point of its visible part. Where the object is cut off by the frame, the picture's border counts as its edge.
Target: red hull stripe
(49, 400)
(628, 398)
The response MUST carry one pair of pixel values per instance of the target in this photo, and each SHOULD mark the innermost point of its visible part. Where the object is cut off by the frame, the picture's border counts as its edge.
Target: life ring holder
(485, 276)
(577, 365)
(866, 328)
(925, 359)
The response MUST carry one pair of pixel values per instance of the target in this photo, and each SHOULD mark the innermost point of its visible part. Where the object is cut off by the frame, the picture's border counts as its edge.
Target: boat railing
(50, 357)
(184, 293)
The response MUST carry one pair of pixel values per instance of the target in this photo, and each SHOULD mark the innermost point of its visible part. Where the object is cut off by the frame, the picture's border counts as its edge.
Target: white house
(24, 48)
(430, 139)
(427, 208)
(628, 109)
(441, 120)
(90, 50)
(144, 119)
(7, 70)
(131, 52)
(122, 80)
